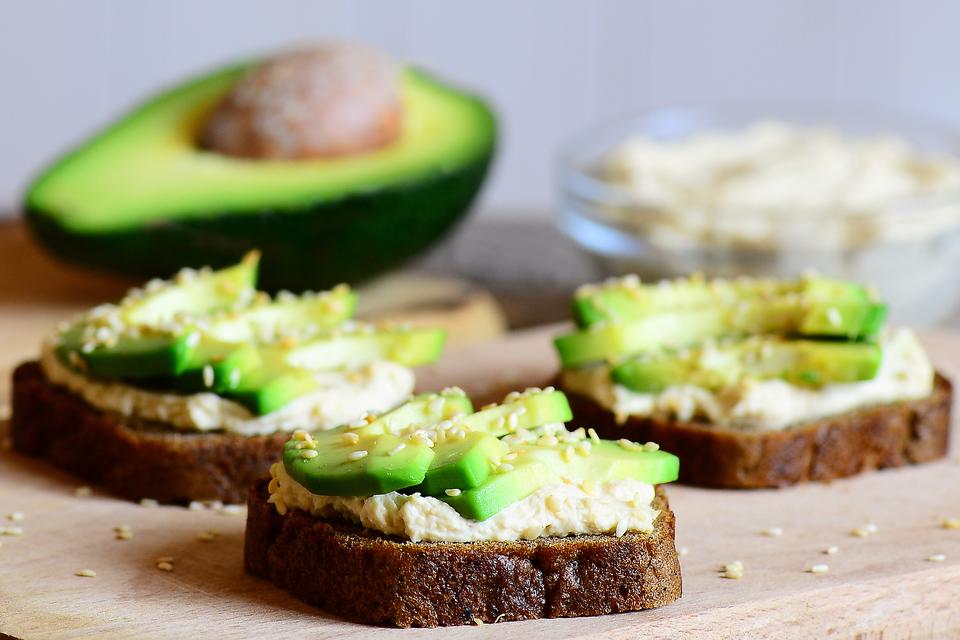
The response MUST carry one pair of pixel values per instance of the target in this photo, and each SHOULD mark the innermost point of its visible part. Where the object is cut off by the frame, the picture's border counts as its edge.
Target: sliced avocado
(409, 347)
(811, 306)
(501, 489)
(677, 329)
(375, 458)
(803, 362)
(142, 197)
(388, 464)
(140, 342)
(214, 366)
(149, 355)
(194, 295)
(608, 461)
(462, 464)
(268, 388)
(520, 411)
(307, 315)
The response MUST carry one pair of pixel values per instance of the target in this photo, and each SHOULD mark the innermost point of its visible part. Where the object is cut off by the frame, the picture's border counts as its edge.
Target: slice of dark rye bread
(368, 577)
(133, 459)
(877, 437)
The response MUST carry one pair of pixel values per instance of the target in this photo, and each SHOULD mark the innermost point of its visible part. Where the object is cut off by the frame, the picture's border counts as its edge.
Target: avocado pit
(324, 101)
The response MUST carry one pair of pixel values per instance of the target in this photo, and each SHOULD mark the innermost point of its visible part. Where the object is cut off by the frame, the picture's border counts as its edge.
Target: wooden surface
(880, 585)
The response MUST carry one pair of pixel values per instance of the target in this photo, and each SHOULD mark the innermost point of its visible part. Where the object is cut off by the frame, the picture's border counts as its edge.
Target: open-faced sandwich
(187, 389)
(754, 382)
(433, 514)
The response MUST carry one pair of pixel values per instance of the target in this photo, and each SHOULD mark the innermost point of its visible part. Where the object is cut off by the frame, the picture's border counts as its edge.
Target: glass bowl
(909, 250)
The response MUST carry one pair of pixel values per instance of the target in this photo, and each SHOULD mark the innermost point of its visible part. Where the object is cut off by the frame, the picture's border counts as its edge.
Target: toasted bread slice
(891, 435)
(368, 577)
(131, 458)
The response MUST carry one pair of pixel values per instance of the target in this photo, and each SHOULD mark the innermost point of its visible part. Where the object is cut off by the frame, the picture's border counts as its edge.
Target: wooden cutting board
(881, 585)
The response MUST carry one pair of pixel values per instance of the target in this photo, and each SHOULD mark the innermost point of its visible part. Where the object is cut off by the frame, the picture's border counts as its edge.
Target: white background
(551, 67)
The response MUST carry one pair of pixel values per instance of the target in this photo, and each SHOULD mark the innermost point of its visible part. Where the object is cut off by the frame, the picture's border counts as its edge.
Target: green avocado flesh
(805, 362)
(811, 306)
(478, 462)
(211, 331)
(141, 197)
(716, 334)
(849, 315)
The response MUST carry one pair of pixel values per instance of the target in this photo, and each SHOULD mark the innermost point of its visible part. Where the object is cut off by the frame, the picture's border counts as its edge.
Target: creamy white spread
(554, 510)
(905, 374)
(342, 396)
(775, 166)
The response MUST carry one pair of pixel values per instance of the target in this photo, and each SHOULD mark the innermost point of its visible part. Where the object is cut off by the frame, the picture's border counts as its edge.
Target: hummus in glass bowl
(853, 194)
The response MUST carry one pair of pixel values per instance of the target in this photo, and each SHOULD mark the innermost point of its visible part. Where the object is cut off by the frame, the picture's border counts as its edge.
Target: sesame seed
(452, 492)
(125, 534)
(937, 557)
(149, 503)
(82, 492)
(832, 550)
(208, 535)
(866, 530)
(548, 390)
(593, 434)
(567, 454)
(307, 454)
(195, 505)
(86, 573)
(357, 455)
(477, 621)
(951, 523)
(16, 516)
(11, 531)
(512, 420)
(772, 532)
(165, 566)
(208, 376)
(397, 449)
(621, 528)
(732, 571)
(818, 569)
(651, 446)
(588, 487)
(683, 551)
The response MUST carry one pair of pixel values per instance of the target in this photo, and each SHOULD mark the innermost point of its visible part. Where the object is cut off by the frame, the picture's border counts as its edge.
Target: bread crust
(878, 437)
(133, 459)
(368, 577)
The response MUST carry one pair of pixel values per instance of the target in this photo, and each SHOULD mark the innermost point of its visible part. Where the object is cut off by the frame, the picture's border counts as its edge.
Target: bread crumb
(772, 532)
(477, 621)
(818, 569)
(86, 573)
(732, 571)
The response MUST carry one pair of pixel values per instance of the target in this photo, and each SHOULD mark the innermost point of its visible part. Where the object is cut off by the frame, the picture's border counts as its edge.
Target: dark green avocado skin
(313, 247)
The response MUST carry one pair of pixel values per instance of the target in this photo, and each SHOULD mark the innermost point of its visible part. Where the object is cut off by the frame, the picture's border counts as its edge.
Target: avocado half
(142, 198)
